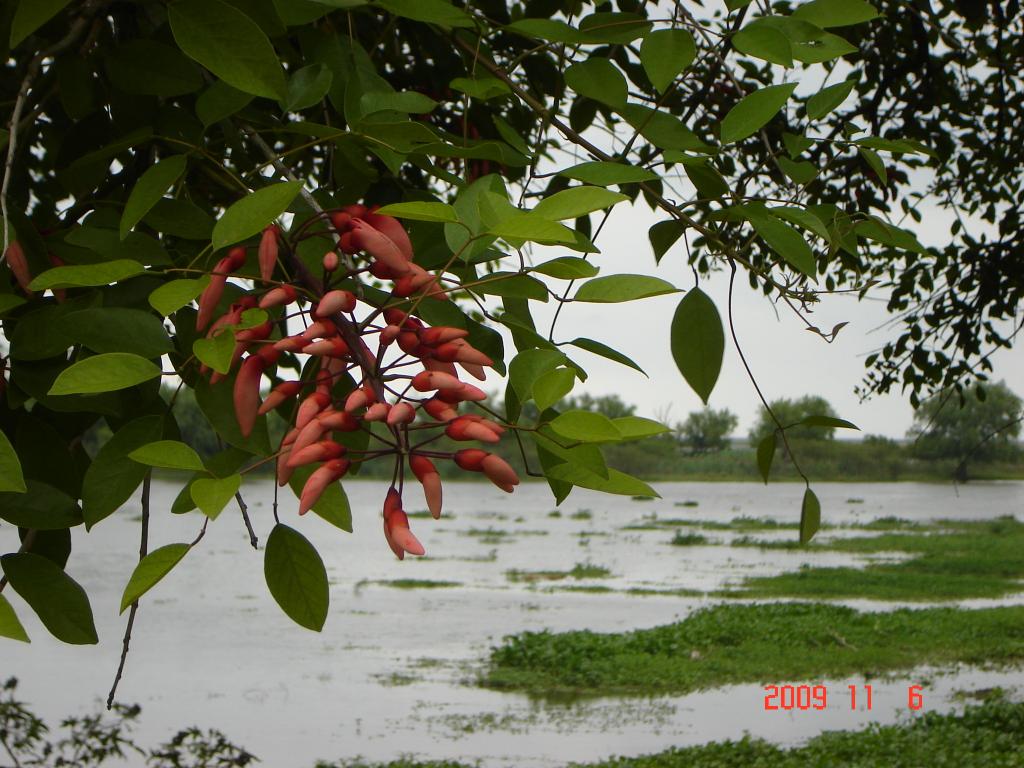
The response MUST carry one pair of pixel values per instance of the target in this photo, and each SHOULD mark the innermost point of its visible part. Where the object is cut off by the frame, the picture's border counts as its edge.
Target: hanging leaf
(604, 173)
(618, 288)
(566, 268)
(575, 202)
(763, 41)
(173, 295)
(528, 366)
(835, 13)
(698, 342)
(810, 516)
(211, 495)
(664, 235)
(585, 427)
(664, 54)
(10, 627)
(104, 373)
(168, 454)
(11, 477)
(765, 455)
(421, 211)
(150, 570)
(58, 600)
(829, 99)
(603, 350)
(308, 87)
(783, 239)
(598, 79)
(217, 352)
(253, 213)
(296, 577)
(87, 275)
(229, 44)
(829, 422)
(638, 428)
(552, 387)
(754, 111)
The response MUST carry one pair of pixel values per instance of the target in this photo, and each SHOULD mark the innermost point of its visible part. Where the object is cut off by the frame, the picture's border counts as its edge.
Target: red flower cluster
(425, 403)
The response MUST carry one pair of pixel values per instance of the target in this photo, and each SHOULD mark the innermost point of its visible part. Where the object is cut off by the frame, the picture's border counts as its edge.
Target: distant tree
(983, 427)
(790, 413)
(611, 406)
(707, 430)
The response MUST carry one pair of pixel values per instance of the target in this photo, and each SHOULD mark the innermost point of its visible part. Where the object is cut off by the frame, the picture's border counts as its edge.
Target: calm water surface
(390, 674)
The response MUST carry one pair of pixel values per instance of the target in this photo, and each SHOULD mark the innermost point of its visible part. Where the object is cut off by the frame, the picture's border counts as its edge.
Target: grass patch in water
(727, 644)
(579, 571)
(968, 559)
(596, 588)
(687, 503)
(650, 592)
(581, 514)
(688, 539)
(415, 583)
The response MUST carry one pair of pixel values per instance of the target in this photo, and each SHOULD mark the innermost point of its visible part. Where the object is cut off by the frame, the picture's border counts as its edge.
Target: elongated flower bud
(325, 450)
(401, 413)
(279, 297)
(439, 410)
(474, 370)
(210, 296)
(330, 261)
(377, 412)
(279, 394)
(499, 472)
(317, 483)
(471, 459)
(396, 527)
(379, 246)
(439, 367)
(268, 252)
(247, 393)
(466, 429)
(284, 472)
(393, 230)
(311, 405)
(442, 335)
(338, 421)
(427, 381)
(19, 265)
(334, 302)
(333, 347)
(429, 478)
(320, 329)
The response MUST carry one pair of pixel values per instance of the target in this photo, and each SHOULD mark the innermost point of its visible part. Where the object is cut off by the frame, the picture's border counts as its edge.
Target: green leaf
(875, 229)
(664, 54)
(11, 477)
(421, 211)
(217, 352)
(150, 570)
(332, 506)
(409, 102)
(577, 201)
(296, 577)
(698, 342)
(664, 235)
(763, 41)
(514, 285)
(829, 99)
(181, 218)
(784, 240)
(104, 373)
(835, 13)
(58, 600)
(803, 172)
(219, 102)
(87, 275)
(149, 189)
(10, 627)
(168, 454)
(663, 130)
(566, 268)
(896, 146)
(530, 226)
(229, 44)
(616, 288)
(810, 516)
(112, 478)
(552, 387)
(638, 428)
(604, 174)
(217, 404)
(796, 144)
(115, 329)
(875, 162)
(585, 427)
(429, 11)
(149, 68)
(253, 213)
(482, 88)
(802, 218)
(549, 29)
(754, 111)
(172, 296)
(598, 79)
(528, 366)
(603, 350)
(308, 86)
(40, 506)
(829, 422)
(31, 15)
(9, 301)
(765, 455)
(211, 495)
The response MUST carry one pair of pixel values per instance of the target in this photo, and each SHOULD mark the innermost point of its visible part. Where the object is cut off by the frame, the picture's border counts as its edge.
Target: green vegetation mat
(990, 735)
(956, 560)
(728, 644)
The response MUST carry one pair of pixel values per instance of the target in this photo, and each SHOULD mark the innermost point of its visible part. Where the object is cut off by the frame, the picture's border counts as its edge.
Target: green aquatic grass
(579, 571)
(415, 583)
(731, 643)
(956, 560)
(688, 539)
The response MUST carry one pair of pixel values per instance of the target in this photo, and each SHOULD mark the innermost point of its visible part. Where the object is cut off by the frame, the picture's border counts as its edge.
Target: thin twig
(245, 516)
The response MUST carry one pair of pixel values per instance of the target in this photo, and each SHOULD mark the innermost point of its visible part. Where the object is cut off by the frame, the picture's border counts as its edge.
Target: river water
(391, 673)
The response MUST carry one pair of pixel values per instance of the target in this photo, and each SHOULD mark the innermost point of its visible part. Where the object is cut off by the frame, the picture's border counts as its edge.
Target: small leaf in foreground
(58, 600)
(698, 342)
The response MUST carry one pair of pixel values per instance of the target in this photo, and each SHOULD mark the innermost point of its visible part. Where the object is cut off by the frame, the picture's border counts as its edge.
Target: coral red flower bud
(278, 297)
(279, 394)
(358, 398)
(247, 393)
(317, 483)
(379, 247)
(235, 258)
(330, 261)
(18, 263)
(396, 317)
(471, 459)
(388, 334)
(442, 335)
(426, 381)
(401, 413)
(439, 367)
(284, 472)
(268, 252)
(338, 421)
(467, 429)
(494, 427)
(396, 527)
(310, 406)
(429, 478)
(335, 301)
(256, 333)
(328, 348)
(341, 221)
(309, 434)
(439, 410)
(460, 351)
(210, 296)
(320, 329)
(393, 230)
(474, 370)
(377, 412)
(499, 472)
(325, 450)
(356, 210)
(347, 244)
(292, 343)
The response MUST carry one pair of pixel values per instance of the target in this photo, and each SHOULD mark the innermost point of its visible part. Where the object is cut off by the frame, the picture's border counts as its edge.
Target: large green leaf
(149, 189)
(828, 422)
(85, 275)
(168, 454)
(664, 235)
(828, 99)
(217, 404)
(528, 366)
(58, 600)
(211, 495)
(115, 329)
(785, 241)
(597, 78)
(603, 350)
(217, 352)
(150, 570)
(10, 626)
(31, 15)
(553, 386)
(754, 111)
(308, 86)
(617, 288)
(40, 506)
(332, 505)
(229, 44)
(11, 477)
(835, 13)
(638, 428)
(665, 53)
(173, 295)
(663, 130)
(577, 201)
(104, 373)
(698, 342)
(253, 213)
(112, 477)
(421, 211)
(438, 12)
(220, 101)
(296, 577)
(585, 427)
(763, 41)
(810, 516)
(150, 68)
(605, 173)
(535, 227)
